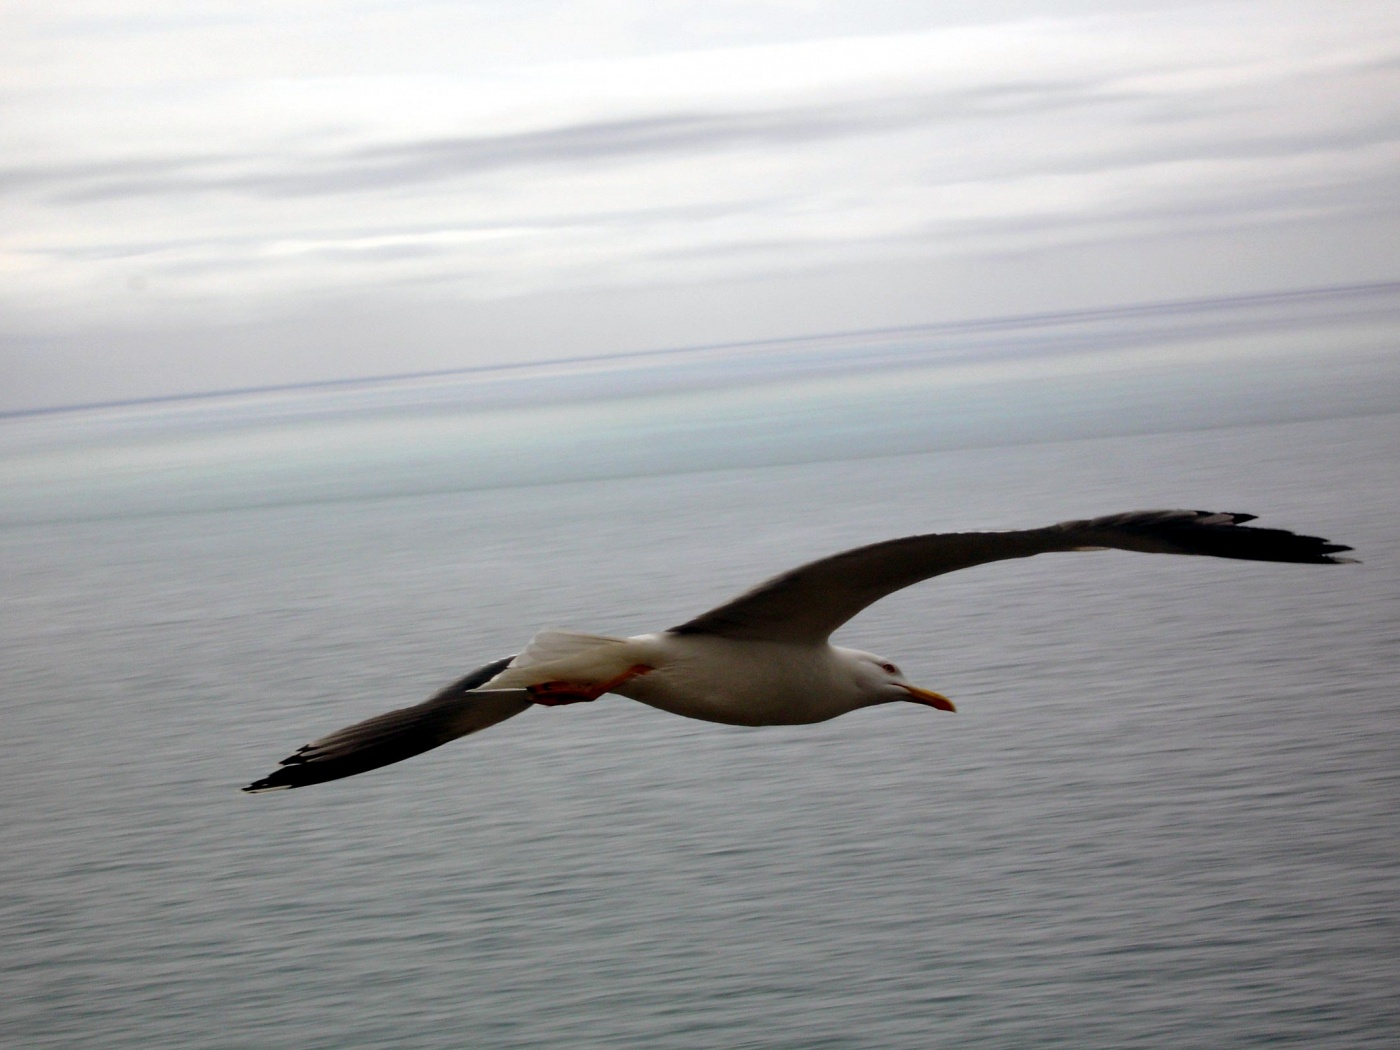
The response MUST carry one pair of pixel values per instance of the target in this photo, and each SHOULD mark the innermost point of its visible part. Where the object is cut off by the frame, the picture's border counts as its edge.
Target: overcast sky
(198, 196)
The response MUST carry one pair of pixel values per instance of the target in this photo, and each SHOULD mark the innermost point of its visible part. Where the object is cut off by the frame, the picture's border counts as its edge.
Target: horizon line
(1005, 322)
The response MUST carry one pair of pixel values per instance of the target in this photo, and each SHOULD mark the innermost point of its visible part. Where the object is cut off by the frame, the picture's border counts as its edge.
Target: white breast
(742, 682)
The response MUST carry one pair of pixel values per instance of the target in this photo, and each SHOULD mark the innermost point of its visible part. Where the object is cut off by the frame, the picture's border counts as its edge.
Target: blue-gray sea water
(1164, 816)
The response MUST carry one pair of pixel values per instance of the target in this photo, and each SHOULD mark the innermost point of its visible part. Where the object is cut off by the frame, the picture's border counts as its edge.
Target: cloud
(383, 167)
(143, 193)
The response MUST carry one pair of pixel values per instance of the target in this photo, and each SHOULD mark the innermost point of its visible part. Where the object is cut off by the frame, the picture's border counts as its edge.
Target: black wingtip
(289, 774)
(381, 740)
(297, 770)
(1220, 535)
(257, 787)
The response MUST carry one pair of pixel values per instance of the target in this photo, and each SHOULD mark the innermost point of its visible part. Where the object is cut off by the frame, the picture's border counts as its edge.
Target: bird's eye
(889, 668)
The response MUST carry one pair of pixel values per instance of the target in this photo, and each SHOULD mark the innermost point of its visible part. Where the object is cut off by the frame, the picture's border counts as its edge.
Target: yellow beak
(929, 697)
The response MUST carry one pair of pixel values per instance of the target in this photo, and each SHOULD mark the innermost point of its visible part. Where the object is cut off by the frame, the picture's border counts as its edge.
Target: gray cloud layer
(980, 169)
(437, 159)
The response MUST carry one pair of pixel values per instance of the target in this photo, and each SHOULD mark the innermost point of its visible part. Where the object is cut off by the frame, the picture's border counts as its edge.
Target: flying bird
(764, 658)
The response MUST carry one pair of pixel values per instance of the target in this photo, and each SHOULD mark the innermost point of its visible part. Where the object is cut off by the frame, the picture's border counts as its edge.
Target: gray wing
(455, 711)
(804, 605)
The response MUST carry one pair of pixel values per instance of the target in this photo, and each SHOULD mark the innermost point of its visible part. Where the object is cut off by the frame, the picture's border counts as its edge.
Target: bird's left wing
(804, 605)
(459, 709)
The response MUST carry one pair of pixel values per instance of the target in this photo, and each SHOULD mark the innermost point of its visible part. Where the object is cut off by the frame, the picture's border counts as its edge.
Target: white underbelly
(739, 682)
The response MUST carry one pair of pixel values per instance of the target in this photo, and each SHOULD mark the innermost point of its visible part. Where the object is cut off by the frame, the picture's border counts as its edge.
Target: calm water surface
(1165, 816)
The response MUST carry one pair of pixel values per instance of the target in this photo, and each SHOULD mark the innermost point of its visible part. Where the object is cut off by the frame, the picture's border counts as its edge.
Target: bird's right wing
(459, 709)
(804, 605)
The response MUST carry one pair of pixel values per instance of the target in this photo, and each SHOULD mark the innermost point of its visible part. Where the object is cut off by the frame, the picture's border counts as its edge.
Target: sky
(235, 194)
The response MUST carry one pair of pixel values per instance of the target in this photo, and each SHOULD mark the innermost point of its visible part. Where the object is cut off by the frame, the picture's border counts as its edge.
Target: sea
(1166, 814)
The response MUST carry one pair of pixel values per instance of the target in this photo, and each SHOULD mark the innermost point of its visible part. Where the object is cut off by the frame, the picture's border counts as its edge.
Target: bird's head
(883, 682)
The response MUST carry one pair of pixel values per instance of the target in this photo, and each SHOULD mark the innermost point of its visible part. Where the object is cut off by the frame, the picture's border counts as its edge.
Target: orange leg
(556, 694)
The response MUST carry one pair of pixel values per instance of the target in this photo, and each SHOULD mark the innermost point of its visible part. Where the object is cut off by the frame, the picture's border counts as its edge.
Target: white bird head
(883, 682)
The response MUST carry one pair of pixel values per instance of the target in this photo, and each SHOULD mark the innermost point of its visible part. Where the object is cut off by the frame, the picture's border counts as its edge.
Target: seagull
(764, 658)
